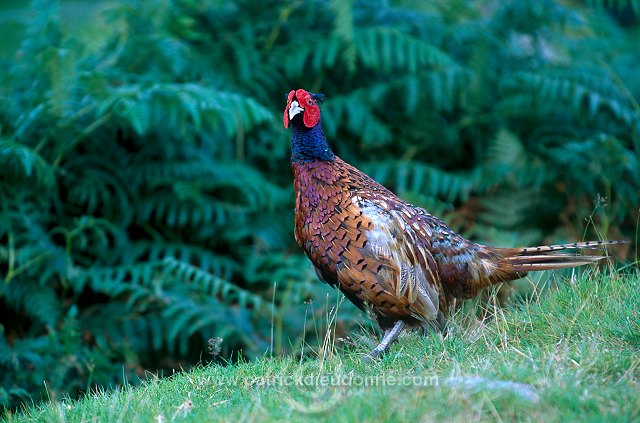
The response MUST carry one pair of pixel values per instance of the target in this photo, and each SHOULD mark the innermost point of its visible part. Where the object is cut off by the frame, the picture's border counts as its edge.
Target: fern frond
(344, 30)
(358, 118)
(35, 300)
(387, 50)
(421, 178)
(220, 266)
(145, 107)
(582, 92)
(19, 161)
(97, 185)
(143, 281)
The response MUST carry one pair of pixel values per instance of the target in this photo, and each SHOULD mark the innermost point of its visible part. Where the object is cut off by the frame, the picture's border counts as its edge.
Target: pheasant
(394, 260)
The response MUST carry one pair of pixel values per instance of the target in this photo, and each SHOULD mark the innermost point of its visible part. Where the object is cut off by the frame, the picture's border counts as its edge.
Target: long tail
(529, 259)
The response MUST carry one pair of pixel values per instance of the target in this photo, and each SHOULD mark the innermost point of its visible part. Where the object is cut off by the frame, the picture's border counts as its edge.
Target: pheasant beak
(294, 109)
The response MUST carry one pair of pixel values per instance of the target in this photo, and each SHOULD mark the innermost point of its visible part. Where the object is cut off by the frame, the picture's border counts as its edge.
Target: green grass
(570, 353)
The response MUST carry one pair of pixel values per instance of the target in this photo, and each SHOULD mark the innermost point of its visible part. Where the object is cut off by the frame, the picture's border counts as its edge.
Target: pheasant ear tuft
(320, 98)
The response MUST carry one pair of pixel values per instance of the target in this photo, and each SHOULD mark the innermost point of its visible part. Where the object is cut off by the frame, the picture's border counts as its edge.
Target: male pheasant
(390, 258)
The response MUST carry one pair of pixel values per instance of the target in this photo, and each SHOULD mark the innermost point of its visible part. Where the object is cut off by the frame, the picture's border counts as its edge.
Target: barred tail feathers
(520, 261)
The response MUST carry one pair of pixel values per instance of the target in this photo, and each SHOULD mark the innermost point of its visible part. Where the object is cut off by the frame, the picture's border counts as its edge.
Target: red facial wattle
(286, 109)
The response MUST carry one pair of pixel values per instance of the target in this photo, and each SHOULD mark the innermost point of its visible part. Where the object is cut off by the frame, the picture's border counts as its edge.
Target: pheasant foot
(390, 335)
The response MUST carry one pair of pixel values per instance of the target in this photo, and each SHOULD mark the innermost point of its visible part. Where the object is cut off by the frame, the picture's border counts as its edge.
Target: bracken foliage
(146, 200)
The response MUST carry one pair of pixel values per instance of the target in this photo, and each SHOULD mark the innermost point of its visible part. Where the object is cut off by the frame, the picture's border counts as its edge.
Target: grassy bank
(572, 352)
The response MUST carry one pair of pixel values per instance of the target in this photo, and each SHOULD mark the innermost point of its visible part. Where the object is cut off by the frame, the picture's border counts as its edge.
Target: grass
(571, 353)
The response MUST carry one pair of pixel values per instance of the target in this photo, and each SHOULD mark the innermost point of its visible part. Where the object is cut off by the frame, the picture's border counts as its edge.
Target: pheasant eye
(309, 102)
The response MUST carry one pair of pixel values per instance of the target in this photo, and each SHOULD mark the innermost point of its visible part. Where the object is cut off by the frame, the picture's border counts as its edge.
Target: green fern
(387, 50)
(36, 301)
(20, 162)
(407, 177)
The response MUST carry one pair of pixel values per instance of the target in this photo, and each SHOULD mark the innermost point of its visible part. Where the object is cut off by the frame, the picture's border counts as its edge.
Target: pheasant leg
(390, 335)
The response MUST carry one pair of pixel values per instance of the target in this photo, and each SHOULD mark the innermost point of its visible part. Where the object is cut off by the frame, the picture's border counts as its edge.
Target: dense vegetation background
(146, 197)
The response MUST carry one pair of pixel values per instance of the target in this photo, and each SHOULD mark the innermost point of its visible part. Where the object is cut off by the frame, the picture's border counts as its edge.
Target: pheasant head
(307, 140)
(301, 103)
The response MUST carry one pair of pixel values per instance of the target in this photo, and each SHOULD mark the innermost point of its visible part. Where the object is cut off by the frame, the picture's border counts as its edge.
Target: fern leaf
(26, 162)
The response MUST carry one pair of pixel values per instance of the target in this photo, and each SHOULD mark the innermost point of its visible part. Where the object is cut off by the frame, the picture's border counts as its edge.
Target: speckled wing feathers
(394, 243)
